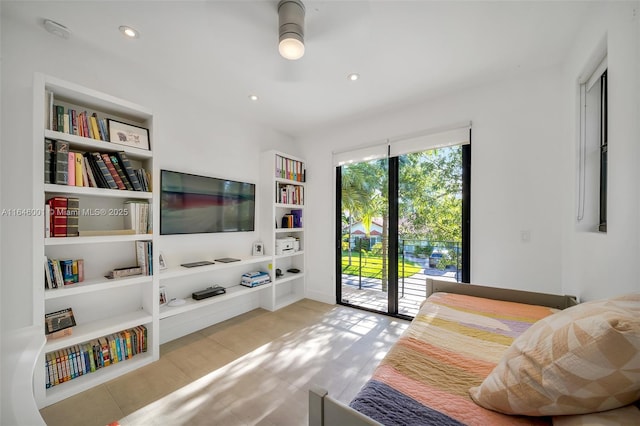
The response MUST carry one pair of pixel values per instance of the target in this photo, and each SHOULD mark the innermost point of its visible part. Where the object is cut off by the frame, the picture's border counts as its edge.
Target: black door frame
(393, 188)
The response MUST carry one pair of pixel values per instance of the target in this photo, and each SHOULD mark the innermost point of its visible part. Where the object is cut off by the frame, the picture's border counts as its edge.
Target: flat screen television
(192, 204)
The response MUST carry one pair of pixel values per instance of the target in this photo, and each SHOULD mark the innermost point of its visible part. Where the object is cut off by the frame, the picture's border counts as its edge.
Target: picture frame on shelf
(162, 261)
(258, 249)
(128, 134)
(163, 296)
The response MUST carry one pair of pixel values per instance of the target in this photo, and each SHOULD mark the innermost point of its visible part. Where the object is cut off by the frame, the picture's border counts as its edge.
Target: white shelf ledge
(289, 206)
(88, 144)
(190, 304)
(97, 284)
(295, 253)
(182, 271)
(289, 181)
(87, 381)
(63, 241)
(85, 332)
(288, 276)
(287, 230)
(95, 192)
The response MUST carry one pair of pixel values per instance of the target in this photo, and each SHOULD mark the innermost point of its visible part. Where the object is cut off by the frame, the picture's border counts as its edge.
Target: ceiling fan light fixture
(291, 29)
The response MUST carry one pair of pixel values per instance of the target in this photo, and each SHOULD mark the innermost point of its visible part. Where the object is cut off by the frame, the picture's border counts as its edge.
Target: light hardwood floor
(254, 369)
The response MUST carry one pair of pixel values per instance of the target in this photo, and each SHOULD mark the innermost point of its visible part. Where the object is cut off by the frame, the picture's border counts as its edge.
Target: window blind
(422, 141)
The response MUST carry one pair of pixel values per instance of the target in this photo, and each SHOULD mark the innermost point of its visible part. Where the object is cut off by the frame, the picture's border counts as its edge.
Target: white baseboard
(321, 297)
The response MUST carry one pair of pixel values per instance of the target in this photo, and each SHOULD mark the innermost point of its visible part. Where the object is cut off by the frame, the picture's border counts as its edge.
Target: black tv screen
(192, 204)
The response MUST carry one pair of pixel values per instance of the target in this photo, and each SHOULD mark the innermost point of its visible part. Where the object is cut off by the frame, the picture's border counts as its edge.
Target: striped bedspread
(452, 344)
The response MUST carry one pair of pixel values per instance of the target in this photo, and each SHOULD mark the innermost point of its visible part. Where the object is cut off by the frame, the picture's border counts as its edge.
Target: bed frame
(327, 411)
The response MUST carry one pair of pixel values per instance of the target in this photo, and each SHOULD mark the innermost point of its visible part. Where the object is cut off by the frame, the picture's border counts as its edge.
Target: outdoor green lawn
(372, 266)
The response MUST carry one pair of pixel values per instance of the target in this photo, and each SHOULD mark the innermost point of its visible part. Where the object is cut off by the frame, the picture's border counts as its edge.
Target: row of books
(289, 194)
(292, 220)
(59, 273)
(77, 360)
(138, 217)
(287, 168)
(91, 169)
(70, 121)
(61, 217)
(144, 256)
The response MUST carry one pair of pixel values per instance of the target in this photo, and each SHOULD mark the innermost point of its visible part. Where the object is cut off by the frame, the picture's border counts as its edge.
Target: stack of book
(254, 279)
(75, 361)
(61, 217)
(287, 168)
(68, 120)
(138, 216)
(59, 273)
(112, 170)
(289, 194)
(144, 256)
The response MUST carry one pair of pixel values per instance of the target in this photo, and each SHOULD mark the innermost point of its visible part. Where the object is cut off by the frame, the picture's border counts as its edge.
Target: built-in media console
(208, 292)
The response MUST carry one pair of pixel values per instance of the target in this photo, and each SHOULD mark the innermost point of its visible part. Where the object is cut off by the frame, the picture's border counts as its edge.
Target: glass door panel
(364, 235)
(429, 222)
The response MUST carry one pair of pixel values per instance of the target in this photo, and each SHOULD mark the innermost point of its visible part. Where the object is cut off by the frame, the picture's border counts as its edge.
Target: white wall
(188, 136)
(596, 265)
(515, 130)
(523, 173)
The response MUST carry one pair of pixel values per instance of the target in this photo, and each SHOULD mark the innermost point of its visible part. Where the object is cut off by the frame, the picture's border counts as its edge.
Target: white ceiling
(405, 51)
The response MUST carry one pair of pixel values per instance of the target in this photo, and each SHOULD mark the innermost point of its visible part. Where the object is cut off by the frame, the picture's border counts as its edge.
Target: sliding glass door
(364, 234)
(402, 219)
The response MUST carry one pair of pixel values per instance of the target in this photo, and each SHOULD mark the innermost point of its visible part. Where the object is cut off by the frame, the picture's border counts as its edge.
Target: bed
(455, 341)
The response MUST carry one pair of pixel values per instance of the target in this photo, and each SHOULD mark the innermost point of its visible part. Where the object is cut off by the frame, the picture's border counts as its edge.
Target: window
(604, 148)
(593, 151)
(402, 213)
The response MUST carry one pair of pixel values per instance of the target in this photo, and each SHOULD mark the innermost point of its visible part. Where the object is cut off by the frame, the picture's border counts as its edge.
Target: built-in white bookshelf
(104, 306)
(101, 306)
(228, 275)
(282, 180)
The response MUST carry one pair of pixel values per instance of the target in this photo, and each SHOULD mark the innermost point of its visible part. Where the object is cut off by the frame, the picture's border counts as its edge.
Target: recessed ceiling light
(353, 76)
(253, 97)
(129, 32)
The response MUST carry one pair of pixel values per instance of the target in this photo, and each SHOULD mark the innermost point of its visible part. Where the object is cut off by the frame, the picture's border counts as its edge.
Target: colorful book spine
(112, 170)
(78, 169)
(94, 127)
(59, 118)
(121, 173)
(104, 170)
(60, 163)
(49, 150)
(73, 216)
(58, 206)
(128, 169)
(71, 164)
(74, 121)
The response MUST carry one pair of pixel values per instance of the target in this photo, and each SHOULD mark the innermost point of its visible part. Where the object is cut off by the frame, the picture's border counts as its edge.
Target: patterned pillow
(581, 360)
